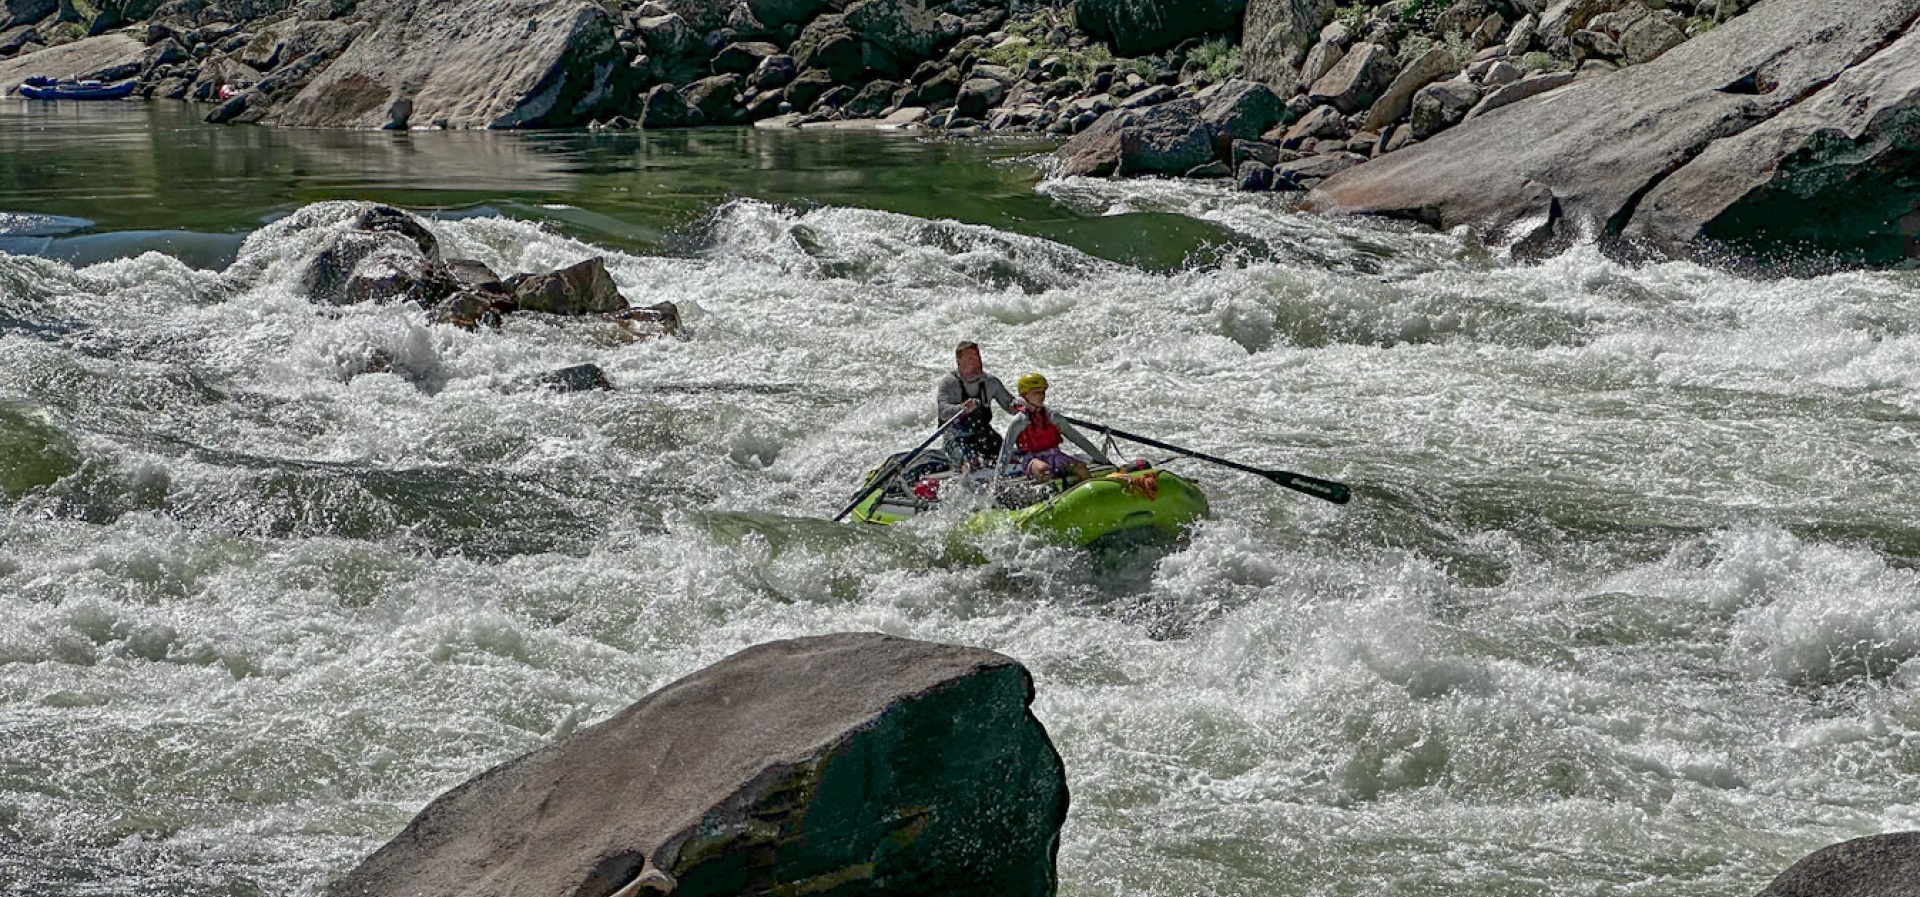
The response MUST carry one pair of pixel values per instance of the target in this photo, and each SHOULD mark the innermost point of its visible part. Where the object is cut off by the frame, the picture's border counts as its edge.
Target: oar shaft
(1338, 493)
(880, 481)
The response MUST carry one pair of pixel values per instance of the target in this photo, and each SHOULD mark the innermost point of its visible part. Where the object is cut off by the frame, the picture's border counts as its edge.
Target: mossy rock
(60, 33)
(81, 11)
(32, 453)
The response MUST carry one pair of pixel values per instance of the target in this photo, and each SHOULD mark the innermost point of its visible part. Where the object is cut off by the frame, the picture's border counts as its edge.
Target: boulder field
(1782, 130)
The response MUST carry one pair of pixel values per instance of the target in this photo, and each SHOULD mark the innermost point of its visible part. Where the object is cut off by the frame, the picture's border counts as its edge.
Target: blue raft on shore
(56, 89)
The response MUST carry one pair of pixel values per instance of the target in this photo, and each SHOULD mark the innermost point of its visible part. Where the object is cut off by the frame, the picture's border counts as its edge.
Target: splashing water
(1625, 604)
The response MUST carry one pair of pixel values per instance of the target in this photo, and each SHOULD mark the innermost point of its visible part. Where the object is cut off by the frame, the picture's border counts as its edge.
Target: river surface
(1625, 604)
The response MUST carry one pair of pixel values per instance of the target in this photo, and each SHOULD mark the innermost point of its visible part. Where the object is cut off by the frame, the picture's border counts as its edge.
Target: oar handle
(1326, 490)
(879, 480)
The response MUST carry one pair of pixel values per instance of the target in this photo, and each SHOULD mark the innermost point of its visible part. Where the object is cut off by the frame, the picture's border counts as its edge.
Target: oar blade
(1326, 490)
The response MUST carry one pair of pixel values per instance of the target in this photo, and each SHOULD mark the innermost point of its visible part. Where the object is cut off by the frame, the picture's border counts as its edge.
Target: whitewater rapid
(1625, 603)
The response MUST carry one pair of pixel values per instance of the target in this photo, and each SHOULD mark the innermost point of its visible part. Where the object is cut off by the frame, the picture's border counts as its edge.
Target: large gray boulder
(977, 95)
(744, 57)
(1165, 139)
(1586, 160)
(18, 38)
(1434, 65)
(1357, 80)
(1321, 60)
(1441, 105)
(1241, 110)
(72, 60)
(829, 45)
(664, 107)
(906, 30)
(287, 81)
(1832, 174)
(1875, 866)
(717, 98)
(669, 35)
(470, 64)
(1277, 36)
(675, 50)
(1138, 27)
(1645, 35)
(852, 765)
(702, 15)
(1302, 174)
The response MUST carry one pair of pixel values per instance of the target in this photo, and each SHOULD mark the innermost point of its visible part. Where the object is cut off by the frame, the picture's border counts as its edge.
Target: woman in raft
(1033, 439)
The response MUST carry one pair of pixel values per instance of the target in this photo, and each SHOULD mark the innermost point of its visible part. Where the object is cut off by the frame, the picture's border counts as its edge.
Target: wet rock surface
(849, 764)
(362, 252)
(1683, 146)
(1876, 866)
(455, 63)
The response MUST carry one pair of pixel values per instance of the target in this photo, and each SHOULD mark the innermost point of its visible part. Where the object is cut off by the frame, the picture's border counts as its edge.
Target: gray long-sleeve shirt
(1009, 447)
(954, 392)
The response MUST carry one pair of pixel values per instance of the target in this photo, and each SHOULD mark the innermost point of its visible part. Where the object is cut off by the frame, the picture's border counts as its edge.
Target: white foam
(1627, 570)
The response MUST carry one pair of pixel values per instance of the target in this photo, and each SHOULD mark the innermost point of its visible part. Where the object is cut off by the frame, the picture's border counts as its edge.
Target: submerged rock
(380, 254)
(33, 453)
(850, 764)
(645, 321)
(581, 289)
(579, 378)
(1875, 866)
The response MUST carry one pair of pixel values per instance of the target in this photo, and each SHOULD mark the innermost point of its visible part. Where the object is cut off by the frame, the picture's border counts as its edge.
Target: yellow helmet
(1031, 382)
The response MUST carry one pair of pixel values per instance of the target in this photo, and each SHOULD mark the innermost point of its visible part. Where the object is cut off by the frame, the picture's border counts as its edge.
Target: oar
(1328, 490)
(880, 481)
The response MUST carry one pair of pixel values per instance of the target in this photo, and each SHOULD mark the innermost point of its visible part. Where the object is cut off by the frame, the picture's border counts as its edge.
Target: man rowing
(970, 391)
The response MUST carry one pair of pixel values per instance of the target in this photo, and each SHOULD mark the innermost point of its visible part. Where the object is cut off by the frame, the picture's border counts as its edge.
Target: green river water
(1626, 602)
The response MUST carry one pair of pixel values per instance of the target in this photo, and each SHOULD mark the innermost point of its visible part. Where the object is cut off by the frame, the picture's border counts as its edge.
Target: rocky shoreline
(1504, 116)
(1349, 82)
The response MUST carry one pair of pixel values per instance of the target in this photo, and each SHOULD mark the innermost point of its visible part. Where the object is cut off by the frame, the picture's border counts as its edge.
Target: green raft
(1112, 503)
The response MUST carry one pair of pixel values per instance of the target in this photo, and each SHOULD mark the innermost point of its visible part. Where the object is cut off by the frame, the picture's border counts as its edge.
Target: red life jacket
(1041, 433)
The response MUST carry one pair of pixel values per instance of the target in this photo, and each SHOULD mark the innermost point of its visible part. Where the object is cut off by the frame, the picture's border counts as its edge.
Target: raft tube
(1111, 503)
